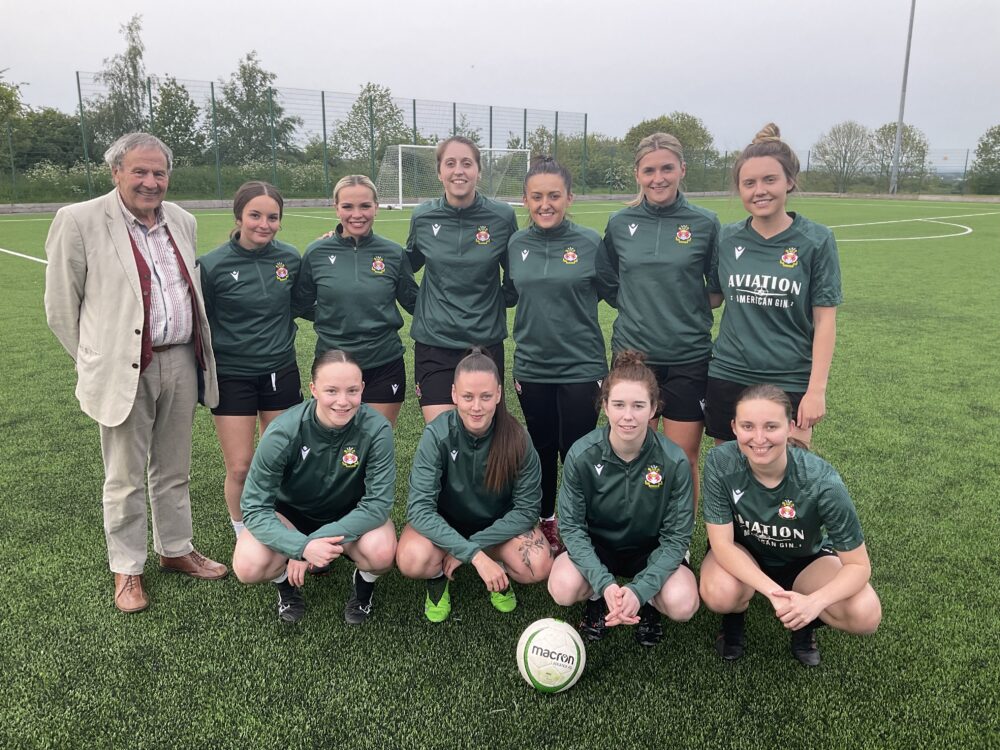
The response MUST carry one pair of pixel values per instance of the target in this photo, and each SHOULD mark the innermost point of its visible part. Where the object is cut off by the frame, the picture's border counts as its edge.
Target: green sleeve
(607, 276)
(573, 528)
(840, 519)
(304, 291)
(380, 485)
(406, 285)
(675, 537)
(412, 251)
(208, 291)
(421, 506)
(260, 494)
(825, 282)
(715, 507)
(712, 260)
(609, 267)
(527, 499)
(507, 284)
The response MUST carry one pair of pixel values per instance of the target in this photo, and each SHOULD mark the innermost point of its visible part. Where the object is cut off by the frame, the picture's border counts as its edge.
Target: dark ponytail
(509, 438)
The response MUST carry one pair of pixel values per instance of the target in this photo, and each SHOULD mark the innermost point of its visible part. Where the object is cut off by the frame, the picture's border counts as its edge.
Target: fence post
(555, 140)
(583, 172)
(326, 158)
(13, 178)
(215, 140)
(491, 126)
(83, 135)
(274, 146)
(454, 118)
(149, 97)
(414, 122)
(965, 172)
(371, 135)
(525, 143)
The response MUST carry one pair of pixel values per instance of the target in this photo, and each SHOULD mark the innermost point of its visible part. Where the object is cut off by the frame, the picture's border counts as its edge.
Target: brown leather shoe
(129, 594)
(195, 565)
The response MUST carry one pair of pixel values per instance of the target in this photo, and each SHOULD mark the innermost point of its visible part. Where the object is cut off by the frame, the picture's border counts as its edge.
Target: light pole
(894, 177)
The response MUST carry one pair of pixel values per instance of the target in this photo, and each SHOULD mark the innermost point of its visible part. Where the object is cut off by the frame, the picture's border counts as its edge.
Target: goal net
(408, 175)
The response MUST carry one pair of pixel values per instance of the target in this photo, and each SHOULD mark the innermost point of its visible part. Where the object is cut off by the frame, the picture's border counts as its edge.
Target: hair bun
(627, 357)
(767, 134)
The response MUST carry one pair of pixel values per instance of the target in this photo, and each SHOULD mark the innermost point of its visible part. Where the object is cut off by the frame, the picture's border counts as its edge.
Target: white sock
(282, 578)
(550, 518)
(237, 527)
(366, 576)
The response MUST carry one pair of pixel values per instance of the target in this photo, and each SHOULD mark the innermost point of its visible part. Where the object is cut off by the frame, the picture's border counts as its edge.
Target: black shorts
(246, 396)
(627, 564)
(785, 575)
(385, 384)
(720, 407)
(302, 522)
(434, 371)
(682, 390)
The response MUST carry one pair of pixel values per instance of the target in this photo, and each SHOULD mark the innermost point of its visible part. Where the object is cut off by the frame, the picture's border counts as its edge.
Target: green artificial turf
(913, 425)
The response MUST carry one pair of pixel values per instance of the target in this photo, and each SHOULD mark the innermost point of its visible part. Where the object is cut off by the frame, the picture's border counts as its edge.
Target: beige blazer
(93, 302)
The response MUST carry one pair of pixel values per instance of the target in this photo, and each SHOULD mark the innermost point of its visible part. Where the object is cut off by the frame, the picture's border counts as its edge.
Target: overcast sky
(805, 64)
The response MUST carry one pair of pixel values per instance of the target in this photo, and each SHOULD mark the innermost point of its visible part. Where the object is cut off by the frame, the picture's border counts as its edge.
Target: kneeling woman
(475, 492)
(766, 506)
(321, 485)
(626, 509)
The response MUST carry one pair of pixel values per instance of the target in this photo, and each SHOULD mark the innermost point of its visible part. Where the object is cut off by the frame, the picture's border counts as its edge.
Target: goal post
(408, 174)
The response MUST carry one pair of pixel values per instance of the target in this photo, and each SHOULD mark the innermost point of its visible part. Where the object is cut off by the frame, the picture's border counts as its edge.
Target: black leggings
(557, 415)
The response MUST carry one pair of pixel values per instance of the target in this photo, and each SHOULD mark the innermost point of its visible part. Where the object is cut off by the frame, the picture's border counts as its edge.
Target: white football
(551, 655)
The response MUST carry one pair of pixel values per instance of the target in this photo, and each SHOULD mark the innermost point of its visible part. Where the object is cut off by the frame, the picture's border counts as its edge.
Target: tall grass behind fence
(305, 140)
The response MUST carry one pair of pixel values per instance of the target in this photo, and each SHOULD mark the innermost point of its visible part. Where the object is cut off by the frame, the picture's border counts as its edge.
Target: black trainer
(804, 647)
(730, 643)
(359, 605)
(649, 630)
(592, 625)
(291, 603)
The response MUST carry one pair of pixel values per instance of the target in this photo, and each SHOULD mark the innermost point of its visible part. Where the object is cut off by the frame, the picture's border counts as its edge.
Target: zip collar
(660, 212)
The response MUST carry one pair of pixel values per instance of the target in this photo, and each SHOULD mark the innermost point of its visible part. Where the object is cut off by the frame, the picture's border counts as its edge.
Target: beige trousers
(154, 439)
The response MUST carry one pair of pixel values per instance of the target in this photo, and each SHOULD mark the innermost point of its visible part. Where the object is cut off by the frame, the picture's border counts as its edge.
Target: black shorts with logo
(246, 396)
(385, 384)
(434, 370)
(720, 407)
(627, 564)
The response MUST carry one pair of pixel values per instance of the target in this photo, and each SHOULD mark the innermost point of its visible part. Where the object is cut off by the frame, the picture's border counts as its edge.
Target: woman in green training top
(780, 275)
(460, 241)
(626, 509)
(321, 486)
(558, 272)
(474, 496)
(663, 251)
(247, 284)
(351, 281)
(780, 523)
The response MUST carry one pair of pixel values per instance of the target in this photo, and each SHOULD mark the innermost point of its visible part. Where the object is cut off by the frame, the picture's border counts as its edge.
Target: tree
(688, 129)
(177, 120)
(541, 141)
(10, 100)
(46, 135)
(373, 111)
(985, 173)
(844, 152)
(123, 109)
(912, 153)
(465, 128)
(249, 114)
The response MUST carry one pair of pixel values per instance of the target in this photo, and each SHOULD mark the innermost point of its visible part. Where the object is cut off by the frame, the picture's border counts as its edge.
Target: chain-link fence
(303, 141)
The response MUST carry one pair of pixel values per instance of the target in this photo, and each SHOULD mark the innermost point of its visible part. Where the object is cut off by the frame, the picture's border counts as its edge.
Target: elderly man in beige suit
(123, 296)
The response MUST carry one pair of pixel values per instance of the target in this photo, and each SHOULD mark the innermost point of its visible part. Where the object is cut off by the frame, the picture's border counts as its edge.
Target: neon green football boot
(437, 611)
(504, 601)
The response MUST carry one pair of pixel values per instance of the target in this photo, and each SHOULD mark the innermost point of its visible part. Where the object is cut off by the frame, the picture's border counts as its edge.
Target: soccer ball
(551, 655)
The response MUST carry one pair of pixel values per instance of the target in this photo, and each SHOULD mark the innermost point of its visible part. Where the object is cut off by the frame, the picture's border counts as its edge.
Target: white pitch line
(968, 230)
(906, 221)
(26, 257)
